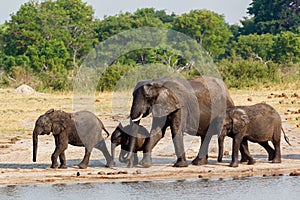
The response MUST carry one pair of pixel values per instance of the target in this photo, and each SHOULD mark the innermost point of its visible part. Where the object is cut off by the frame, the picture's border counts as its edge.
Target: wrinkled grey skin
(120, 136)
(258, 123)
(193, 106)
(82, 128)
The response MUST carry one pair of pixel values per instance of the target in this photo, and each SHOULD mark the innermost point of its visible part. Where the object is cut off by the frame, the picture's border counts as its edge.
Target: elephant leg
(135, 159)
(102, 147)
(60, 146)
(201, 160)
(179, 150)
(215, 128)
(85, 161)
(221, 147)
(157, 131)
(236, 143)
(277, 157)
(62, 159)
(269, 149)
(245, 153)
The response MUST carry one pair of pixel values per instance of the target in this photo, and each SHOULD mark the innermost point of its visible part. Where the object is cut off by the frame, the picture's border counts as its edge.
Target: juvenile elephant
(81, 128)
(193, 106)
(258, 123)
(120, 136)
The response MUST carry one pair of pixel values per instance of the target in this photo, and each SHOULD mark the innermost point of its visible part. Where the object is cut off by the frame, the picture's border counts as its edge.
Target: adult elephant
(196, 106)
(81, 128)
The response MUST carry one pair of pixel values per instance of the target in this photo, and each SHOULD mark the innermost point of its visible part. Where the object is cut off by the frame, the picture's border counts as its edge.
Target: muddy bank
(16, 166)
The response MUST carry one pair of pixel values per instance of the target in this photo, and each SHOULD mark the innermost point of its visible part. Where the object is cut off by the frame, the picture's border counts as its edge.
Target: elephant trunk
(132, 139)
(35, 144)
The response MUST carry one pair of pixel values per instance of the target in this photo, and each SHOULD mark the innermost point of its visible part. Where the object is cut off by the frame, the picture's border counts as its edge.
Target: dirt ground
(16, 166)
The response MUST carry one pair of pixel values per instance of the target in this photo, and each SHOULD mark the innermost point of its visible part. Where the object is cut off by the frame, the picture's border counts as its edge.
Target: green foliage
(274, 16)
(280, 48)
(240, 73)
(254, 46)
(287, 47)
(207, 28)
(111, 76)
(45, 42)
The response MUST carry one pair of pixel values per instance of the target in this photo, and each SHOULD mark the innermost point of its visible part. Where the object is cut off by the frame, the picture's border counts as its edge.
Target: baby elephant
(81, 128)
(258, 123)
(120, 136)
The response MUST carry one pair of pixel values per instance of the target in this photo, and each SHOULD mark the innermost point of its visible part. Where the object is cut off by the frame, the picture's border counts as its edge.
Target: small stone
(200, 176)
(122, 172)
(226, 153)
(295, 173)
(78, 174)
(138, 171)
(101, 173)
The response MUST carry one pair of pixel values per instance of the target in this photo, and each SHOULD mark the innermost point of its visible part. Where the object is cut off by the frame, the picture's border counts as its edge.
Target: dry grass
(18, 113)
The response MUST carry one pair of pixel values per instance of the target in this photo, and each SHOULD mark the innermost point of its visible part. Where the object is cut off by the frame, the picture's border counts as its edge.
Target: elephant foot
(110, 164)
(82, 166)
(271, 157)
(130, 165)
(63, 166)
(146, 162)
(220, 159)
(199, 161)
(180, 163)
(233, 164)
(54, 166)
(243, 159)
(278, 160)
(251, 162)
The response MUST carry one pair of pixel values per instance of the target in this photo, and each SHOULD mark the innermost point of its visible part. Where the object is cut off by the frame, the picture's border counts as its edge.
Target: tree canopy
(274, 16)
(45, 42)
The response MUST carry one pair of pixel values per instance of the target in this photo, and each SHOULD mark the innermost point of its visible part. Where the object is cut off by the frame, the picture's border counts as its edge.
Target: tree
(274, 16)
(207, 28)
(38, 24)
(259, 47)
(287, 47)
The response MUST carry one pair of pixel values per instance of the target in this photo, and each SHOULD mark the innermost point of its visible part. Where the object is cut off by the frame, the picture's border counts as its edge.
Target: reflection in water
(246, 188)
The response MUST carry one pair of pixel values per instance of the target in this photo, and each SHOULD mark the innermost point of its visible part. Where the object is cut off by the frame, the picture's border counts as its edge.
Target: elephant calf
(81, 128)
(120, 136)
(258, 123)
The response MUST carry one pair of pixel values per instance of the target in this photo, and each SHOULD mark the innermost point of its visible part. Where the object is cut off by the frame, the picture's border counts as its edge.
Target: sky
(233, 10)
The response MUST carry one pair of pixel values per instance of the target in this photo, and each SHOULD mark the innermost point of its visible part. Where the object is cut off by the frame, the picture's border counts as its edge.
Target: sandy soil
(16, 166)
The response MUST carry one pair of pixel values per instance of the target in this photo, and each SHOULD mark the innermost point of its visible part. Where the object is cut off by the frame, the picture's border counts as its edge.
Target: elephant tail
(286, 137)
(102, 125)
(106, 132)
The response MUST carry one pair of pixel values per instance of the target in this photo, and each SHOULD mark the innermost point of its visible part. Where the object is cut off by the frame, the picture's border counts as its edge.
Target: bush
(240, 73)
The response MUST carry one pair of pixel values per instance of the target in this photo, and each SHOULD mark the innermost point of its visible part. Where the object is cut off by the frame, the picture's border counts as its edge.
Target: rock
(138, 171)
(101, 173)
(226, 153)
(25, 90)
(122, 172)
(295, 173)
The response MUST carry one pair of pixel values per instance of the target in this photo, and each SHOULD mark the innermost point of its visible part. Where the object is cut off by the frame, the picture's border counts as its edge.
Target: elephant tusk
(137, 119)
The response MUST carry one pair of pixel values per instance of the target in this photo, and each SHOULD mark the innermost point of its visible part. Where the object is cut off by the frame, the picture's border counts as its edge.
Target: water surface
(284, 187)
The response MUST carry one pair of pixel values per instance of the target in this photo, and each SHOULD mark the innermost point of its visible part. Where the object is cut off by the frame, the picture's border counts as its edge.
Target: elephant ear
(240, 120)
(163, 100)
(58, 126)
(49, 111)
